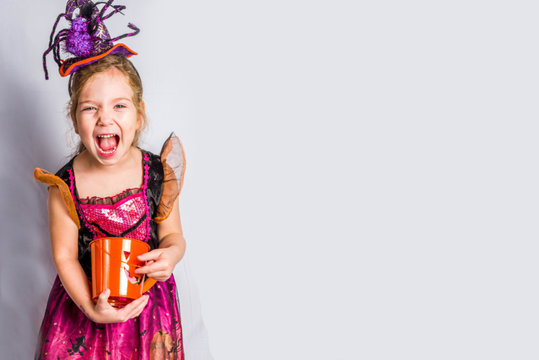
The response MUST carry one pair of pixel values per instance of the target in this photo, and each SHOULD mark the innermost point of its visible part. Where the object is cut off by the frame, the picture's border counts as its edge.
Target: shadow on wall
(26, 268)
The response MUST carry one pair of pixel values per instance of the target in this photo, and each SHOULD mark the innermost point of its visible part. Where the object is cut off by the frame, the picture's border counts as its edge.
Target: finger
(102, 304)
(135, 308)
(151, 255)
(103, 297)
(105, 294)
(142, 270)
(159, 275)
(142, 305)
(151, 268)
(126, 312)
(135, 303)
(149, 262)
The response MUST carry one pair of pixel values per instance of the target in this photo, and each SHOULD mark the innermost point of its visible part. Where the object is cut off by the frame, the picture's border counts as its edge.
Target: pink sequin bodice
(125, 217)
(126, 214)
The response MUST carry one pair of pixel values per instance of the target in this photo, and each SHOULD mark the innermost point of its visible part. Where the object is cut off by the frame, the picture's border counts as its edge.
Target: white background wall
(361, 180)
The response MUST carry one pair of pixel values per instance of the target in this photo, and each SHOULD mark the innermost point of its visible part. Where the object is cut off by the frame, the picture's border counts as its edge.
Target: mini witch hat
(87, 39)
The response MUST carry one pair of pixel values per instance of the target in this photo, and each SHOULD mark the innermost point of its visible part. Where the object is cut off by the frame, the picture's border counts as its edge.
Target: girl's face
(106, 117)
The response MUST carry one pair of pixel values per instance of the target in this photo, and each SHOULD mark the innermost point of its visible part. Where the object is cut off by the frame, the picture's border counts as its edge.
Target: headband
(87, 39)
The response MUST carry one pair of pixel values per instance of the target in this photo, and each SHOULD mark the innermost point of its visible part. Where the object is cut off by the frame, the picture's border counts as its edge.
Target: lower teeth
(109, 151)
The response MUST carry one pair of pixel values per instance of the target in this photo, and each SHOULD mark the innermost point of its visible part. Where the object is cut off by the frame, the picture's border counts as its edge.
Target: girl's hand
(104, 313)
(159, 263)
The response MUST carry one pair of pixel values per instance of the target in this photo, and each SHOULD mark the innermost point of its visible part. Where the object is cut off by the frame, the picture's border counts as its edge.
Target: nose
(106, 117)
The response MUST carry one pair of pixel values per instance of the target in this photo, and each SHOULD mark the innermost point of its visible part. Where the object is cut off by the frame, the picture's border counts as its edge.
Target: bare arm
(161, 261)
(64, 246)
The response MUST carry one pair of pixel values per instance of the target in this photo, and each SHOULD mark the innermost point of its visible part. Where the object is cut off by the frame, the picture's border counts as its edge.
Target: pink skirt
(66, 333)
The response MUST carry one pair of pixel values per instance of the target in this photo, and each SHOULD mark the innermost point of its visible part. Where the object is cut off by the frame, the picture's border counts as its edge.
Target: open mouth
(107, 144)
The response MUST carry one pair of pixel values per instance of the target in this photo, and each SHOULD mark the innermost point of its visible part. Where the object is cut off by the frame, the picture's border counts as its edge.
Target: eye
(89, 108)
(120, 106)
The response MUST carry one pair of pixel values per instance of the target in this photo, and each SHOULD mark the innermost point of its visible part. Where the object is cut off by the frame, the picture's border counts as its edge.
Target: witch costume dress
(66, 332)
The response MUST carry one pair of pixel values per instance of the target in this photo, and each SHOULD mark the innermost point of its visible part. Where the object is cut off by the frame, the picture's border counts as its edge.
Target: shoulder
(153, 175)
(62, 175)
(61, 182)
(153, 162)
(150, 156)
(66, 171)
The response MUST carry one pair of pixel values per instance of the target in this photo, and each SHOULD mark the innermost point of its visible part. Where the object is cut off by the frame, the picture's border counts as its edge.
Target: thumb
(103, 297)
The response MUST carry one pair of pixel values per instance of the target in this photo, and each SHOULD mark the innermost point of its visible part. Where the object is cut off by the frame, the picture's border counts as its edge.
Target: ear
(75, 127)
(139, 119)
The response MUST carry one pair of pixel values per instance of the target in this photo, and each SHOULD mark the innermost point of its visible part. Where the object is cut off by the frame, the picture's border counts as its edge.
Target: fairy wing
(173, 160)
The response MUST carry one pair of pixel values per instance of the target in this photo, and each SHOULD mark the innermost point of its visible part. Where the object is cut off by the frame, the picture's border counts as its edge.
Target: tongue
(108, 144)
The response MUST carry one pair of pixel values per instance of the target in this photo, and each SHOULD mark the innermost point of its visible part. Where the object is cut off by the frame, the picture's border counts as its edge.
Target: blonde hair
(81, 77)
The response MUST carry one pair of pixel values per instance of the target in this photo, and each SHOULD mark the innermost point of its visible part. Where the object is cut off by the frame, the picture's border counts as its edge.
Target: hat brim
(71, 65)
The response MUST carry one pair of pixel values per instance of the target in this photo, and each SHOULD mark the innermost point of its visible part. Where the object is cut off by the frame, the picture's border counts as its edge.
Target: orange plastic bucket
(114, 260)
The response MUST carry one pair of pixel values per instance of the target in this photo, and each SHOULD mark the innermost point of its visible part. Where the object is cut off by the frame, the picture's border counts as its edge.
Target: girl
(111, 188)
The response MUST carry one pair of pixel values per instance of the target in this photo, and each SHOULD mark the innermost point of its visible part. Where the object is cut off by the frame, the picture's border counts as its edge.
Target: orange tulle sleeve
(47, 178)
(173, 160)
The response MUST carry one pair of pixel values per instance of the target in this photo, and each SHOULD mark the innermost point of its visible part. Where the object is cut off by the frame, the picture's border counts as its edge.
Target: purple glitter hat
(87, 39)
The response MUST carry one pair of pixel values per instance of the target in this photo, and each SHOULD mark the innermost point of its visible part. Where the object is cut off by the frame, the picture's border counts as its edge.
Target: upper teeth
(105, 136)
